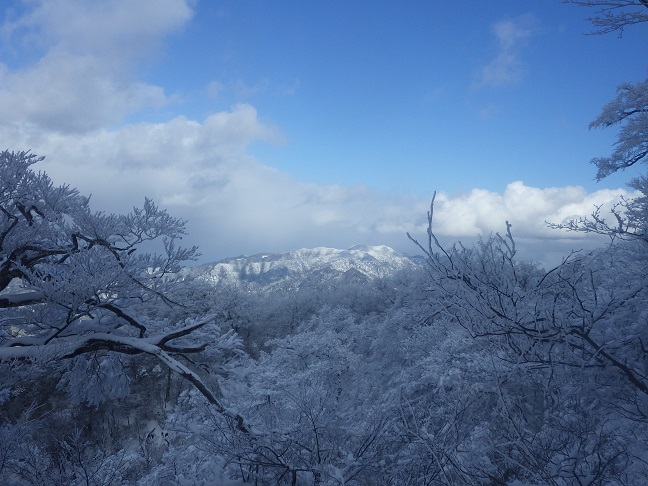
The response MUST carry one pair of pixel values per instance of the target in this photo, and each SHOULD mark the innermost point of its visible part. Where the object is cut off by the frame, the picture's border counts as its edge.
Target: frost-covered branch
(630, 110)
(555, 318)
(627, 221)
(155, 346)
(614, 15)
(629, 217)
(74, 282)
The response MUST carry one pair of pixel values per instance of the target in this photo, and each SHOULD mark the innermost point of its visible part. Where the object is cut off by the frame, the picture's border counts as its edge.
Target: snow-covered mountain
(305, 267)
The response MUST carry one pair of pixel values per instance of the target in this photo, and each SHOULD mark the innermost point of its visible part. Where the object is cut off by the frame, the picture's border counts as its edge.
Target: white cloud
(526, 208)
(120, 32)
(72, 94)
(84, 75)
(511, 36)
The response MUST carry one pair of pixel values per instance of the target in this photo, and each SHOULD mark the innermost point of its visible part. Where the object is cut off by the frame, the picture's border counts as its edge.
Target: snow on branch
(73, 281)
(614, 15)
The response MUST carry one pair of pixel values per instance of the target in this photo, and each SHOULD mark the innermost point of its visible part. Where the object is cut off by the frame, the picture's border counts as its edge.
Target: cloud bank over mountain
(79, 97)
(235, 204)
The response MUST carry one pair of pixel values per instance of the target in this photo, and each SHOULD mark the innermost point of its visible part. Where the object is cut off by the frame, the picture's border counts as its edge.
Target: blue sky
(396, 95)
(275, 125)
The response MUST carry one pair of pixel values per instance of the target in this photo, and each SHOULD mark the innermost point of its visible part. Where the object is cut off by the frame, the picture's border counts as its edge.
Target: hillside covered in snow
(304, 267)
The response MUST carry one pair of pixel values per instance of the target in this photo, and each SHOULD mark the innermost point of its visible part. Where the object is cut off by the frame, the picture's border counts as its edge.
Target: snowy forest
(468, 367)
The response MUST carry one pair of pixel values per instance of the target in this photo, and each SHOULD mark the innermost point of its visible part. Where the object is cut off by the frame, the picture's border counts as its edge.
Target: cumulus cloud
(526, 208)
(120, 32)
(83, 76)
(511, 35)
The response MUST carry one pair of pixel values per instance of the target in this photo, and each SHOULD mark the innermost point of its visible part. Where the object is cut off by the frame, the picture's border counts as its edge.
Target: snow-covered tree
(79, 283)
(314, 408)
(615, 15)
(568, 384)
(574, 337)
(629, 112)
(629, 217)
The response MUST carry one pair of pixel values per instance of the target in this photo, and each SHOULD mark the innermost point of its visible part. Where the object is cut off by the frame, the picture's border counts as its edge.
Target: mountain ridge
(305, 266)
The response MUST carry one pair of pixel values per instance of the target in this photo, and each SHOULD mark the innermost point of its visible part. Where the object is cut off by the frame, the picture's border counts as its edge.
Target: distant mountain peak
(305, 267)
